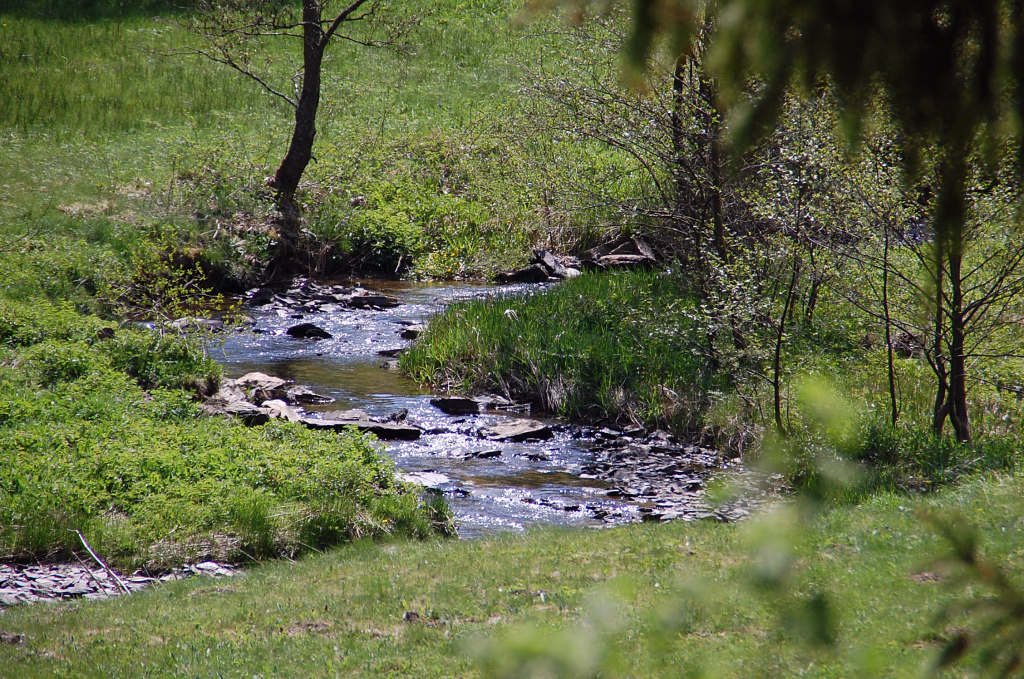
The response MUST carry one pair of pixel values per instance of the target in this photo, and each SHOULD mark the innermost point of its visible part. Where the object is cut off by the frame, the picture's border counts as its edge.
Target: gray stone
(257, 381)
(364, 298)
(518, 430)
(78, 589)
(303, 394)
(308, 331)
(548, 261)
(412, 332)
(482, 455)
(455, 405)
(426, 479)
(248, 413)
(535, 273)
(346, 415)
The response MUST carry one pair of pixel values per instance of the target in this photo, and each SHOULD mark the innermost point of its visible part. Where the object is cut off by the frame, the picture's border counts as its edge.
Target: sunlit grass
(345, 613)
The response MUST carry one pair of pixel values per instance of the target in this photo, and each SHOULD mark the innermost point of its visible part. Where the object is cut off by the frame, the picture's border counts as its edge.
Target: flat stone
(455, 405)
(425, 479)
(519, 430)
(383, 430)
(482, 455)
(365, 299)
(75, 590)
(346, 415)
(303, 394)
(535, 273)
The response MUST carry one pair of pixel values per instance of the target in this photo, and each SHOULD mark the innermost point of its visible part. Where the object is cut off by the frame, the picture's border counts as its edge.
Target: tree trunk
(714, 127)
(957, 360)
(812, 300)
(777, 360)
(678, 147)
(941, 409)
(286, 180)
(894, 404)
(949, 249)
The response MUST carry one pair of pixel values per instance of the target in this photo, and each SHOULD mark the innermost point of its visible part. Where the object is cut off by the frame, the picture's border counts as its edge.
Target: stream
(490, 485)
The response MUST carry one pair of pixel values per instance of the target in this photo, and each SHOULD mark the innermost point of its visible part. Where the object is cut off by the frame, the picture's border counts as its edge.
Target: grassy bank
(351, 612)
(613, 347)
(100, 433)
(100, 430)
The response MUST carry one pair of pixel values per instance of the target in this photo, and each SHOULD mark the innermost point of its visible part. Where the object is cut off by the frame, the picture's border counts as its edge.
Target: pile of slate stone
(665, 478)
(56, 582)
(622, 252)
(306, 296)
(257, 398)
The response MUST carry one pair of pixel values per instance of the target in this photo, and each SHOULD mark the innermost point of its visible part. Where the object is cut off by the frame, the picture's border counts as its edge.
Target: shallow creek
(529, 483)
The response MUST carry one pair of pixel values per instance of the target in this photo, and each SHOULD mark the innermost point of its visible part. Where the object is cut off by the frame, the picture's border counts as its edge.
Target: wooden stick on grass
(100, 562)
(102, 589)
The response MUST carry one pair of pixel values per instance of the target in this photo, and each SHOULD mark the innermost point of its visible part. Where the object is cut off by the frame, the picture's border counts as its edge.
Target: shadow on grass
(90, 10)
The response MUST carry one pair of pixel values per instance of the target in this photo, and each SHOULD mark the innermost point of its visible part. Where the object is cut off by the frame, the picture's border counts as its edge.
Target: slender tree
(235, 33)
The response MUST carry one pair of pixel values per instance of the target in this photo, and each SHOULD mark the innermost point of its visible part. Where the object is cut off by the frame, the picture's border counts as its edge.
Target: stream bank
(339, 340)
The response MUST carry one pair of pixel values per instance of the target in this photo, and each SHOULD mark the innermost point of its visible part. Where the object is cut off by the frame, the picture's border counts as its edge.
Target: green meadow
(132, 188)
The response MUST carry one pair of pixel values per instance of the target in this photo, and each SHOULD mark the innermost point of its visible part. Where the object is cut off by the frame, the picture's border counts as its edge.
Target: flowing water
(510, 487)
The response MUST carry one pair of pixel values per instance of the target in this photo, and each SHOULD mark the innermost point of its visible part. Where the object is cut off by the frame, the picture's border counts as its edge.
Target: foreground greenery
(350, 612)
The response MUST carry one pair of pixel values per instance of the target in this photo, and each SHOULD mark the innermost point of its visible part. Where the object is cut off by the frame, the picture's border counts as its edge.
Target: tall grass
(613, 346)
(105, 75)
